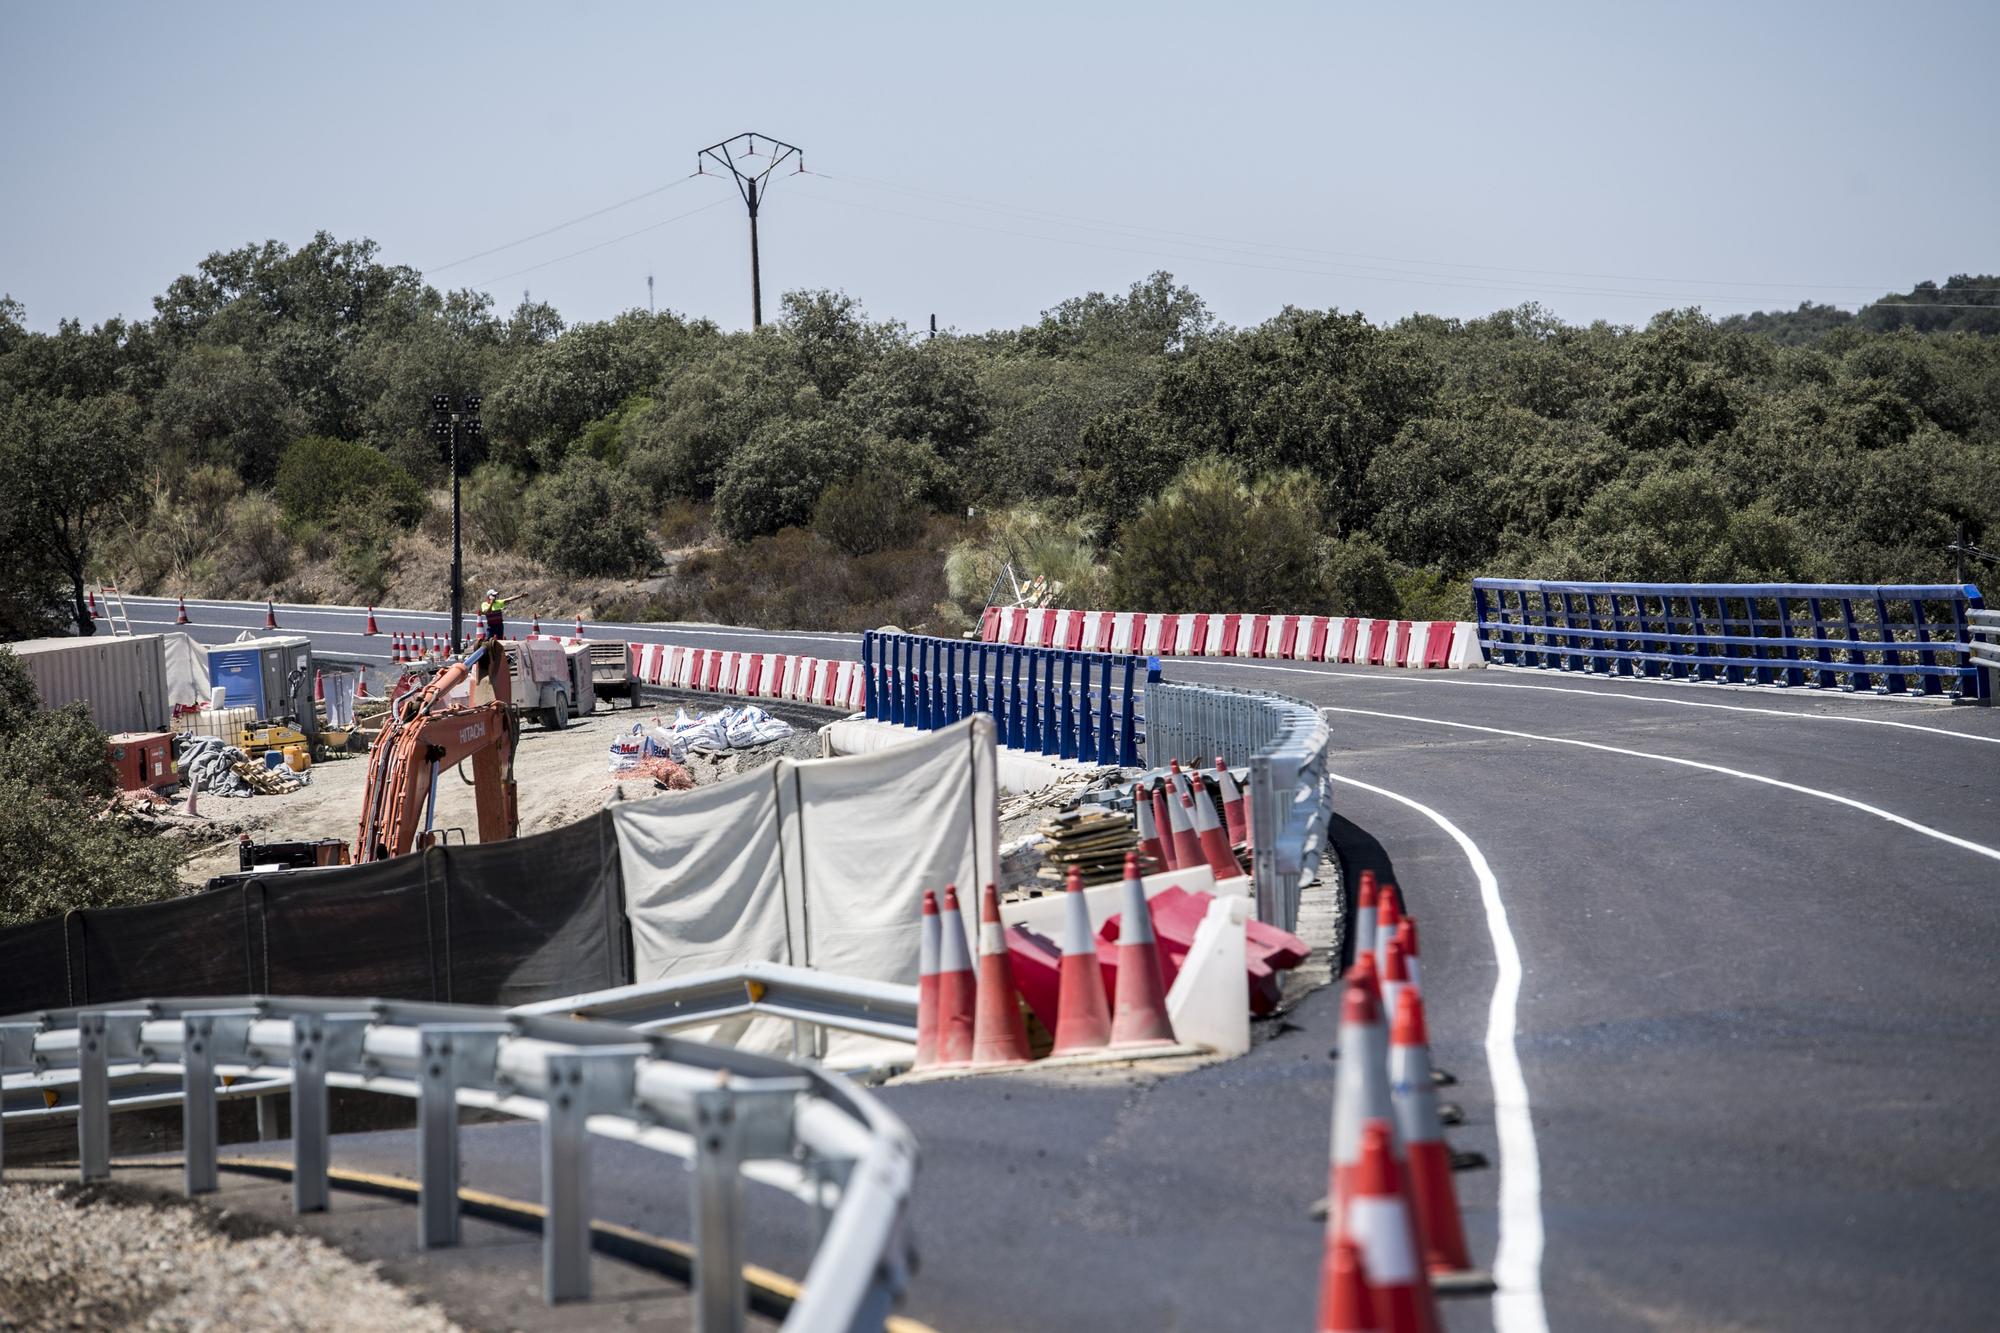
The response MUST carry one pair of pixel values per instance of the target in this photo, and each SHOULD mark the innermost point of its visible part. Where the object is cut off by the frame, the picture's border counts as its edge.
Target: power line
(1209, 240)
(654, 226)
(550, 231)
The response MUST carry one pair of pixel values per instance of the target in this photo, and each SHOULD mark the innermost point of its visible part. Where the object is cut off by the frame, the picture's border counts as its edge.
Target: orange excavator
(426, 733)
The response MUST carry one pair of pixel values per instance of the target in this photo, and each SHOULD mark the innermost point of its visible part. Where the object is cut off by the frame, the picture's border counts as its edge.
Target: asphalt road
(1755, 1023)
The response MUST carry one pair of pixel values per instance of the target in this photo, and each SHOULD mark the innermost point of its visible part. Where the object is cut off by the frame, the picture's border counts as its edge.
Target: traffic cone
(1233, 812)
(999, 1034)
(361, 683)
(92, 594)
(1163, 828)
(1439, 1226)
(194, 786)
(536, 627)
(182, 618)
(927, 985)
(1406, 935)
(1366, 898)
(579, 626)
(1180, 824)
(1149, 828)
(958, 996)
(1395, 976)
(1139, 1018)
(1378, 1219)
(270, 614)
(319, 688)
(371, 623)
(1361, 1085)
(1345, 1305)
(1209, 836)
(1388, 916)
(1083, 1019)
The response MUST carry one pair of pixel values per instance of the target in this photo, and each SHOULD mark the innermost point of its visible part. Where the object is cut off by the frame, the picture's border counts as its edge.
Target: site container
(273, 676)
(122, 677)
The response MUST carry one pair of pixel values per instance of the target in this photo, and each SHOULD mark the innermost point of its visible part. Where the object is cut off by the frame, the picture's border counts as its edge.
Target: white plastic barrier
(1357, 640)
(818, 680)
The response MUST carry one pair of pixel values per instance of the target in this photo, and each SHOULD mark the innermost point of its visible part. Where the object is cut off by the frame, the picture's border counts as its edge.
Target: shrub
(1214, 541)
(492, 504)
(1358, 578)
(318, 475)
(867, 513)
(259, 551)
(683, 524)
(777, 477)
(586, 520)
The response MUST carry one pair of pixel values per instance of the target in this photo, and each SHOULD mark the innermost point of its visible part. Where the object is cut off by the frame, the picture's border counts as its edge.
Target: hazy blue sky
(984, 162)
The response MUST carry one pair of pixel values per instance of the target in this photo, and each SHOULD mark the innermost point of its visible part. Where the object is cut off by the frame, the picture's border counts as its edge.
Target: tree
(219, 405)
(319, 477)
(586, 520)
(66, 469)
(1215, 539)
(776, 479)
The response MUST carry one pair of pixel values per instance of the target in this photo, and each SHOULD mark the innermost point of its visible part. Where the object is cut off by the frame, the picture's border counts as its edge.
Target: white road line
(1416, 679)
(1978, 849)
(1517, 1260)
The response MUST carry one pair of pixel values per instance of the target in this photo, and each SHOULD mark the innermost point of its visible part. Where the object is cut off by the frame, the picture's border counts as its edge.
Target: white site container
(122, 677)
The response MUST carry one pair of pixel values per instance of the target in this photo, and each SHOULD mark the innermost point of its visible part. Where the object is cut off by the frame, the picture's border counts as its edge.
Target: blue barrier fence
(1073, 705)
(1891, 638)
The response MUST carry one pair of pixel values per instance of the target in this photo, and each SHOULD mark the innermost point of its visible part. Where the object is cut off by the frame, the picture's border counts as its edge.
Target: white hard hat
(492, 592)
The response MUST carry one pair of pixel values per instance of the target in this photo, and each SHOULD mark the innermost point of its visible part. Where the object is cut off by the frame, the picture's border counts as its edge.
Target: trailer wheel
(558, 716)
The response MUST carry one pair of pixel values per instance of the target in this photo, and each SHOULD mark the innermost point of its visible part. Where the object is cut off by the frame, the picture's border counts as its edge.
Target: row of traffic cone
(968, 1021)
(1393, 1219)
(1200, 825)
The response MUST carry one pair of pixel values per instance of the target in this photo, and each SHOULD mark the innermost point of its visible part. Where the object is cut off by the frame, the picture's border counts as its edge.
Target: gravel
(101, 1257)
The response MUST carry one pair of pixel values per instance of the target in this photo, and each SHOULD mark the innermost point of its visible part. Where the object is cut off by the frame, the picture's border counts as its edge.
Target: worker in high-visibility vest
(493, 608)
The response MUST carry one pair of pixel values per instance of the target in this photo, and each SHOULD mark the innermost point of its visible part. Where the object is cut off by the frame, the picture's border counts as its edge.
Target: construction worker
(493, 608)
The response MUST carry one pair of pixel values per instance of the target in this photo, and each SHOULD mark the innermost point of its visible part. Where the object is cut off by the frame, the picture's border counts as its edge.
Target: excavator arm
(428, 732)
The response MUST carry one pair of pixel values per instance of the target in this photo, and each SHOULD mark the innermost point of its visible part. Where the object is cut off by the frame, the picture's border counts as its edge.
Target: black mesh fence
(500, 924)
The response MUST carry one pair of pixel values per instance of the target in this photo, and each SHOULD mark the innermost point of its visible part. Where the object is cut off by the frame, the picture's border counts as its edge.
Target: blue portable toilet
(240, 674)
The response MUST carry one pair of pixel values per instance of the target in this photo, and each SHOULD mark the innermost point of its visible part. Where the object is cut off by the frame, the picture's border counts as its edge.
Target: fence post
(1067, 742)
(1128, 741)
(1031, 736)
(718, 1212)
(93, 1094)
(871, 705)
(565, 1183)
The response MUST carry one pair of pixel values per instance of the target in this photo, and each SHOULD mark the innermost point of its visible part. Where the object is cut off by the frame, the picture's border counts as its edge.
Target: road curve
(1755, 1024)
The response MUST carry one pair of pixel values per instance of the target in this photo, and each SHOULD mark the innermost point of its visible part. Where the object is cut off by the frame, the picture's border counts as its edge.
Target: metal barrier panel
(1888, 638)
(1072, 704)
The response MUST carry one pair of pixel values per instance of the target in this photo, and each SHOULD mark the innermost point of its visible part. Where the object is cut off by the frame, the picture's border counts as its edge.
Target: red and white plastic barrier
(813, 680)
(1359, 640)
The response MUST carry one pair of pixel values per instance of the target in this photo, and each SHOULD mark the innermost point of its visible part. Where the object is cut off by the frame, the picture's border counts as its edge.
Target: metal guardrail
(1782, 634)
(725, 1111)
(1983, 644)
(1283, 742)
(823, 999)
(1074, 705)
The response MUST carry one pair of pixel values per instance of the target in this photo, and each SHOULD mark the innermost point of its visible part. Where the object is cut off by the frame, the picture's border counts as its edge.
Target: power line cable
(550, 231)
(653, 226)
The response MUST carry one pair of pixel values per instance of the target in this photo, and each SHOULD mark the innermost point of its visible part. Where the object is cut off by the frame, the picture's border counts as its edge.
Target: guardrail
(1283, 742)
(723, 1110)
(1983, 629)
(1830, 636)
(1074, 705)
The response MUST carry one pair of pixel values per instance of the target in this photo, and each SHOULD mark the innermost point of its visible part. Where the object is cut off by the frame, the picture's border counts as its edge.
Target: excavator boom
(427, 732)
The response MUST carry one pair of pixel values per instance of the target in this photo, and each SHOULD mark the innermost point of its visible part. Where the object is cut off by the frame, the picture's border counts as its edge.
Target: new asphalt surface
(1756, 1024)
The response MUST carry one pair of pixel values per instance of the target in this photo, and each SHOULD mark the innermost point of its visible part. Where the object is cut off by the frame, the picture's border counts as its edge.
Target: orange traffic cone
(1361, 1085)
(1406, 935)
(1187, 847)
(579, 626)
(1163, 828)
(1344, 1303)
(1149, 828)
(371, 623)
(361, 684)
(92, 594)
(1379, 1221)
(927, 985)
(1388, 916)
(1415, 1097)
(182, 618)
(1139, 1018)
(999, 1035)
(1233, 813)
(1366, 899)
(1395, 976)
(958, 996)
(1213, 841)
(536, 626)
(270, 615)
(1083, 1019)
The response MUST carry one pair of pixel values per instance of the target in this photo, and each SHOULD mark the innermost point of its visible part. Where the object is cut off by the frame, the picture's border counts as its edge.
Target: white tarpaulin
(187, 670)
(816, 862)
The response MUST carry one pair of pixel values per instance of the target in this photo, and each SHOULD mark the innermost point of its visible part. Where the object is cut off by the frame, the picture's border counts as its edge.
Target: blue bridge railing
(1074, 705)
(1889, 638)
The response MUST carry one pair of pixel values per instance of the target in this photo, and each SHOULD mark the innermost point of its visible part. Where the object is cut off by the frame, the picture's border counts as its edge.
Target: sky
(983, 163)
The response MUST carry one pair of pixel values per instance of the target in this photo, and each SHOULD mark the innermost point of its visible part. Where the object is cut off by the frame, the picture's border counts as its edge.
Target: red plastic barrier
(1349, 633)
(1037, 972)
(1378, 641)
(1177, 914)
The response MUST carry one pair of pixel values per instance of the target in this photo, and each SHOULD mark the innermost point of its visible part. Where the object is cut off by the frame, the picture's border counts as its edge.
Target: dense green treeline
(275, 413)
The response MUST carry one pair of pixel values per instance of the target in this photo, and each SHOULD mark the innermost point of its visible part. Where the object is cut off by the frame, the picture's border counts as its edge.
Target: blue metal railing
(1891, 638)
(1074, 705)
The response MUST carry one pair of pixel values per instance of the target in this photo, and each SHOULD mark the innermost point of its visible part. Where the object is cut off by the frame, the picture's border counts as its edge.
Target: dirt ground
(561, 777)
